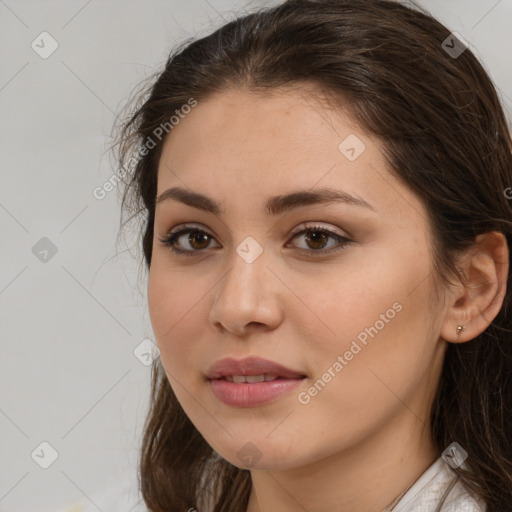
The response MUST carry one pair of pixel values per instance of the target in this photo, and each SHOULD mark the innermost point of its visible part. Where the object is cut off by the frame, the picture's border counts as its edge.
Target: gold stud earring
(460, 329)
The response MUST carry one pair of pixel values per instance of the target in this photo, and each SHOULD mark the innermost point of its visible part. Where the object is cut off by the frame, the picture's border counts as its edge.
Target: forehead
(282, 131)
(284, 117)
(265, 145)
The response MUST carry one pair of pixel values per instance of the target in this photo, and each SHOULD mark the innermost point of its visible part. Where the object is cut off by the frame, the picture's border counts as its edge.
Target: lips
(251, 366)
(251, 382)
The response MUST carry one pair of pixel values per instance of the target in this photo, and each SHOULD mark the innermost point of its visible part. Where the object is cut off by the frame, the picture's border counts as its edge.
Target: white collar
(426, 493)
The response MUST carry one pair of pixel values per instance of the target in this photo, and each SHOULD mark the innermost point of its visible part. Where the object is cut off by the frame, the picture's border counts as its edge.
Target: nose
(247, 297)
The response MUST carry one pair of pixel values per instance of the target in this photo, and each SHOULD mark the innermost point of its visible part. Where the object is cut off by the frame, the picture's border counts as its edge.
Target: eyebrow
(274, 205)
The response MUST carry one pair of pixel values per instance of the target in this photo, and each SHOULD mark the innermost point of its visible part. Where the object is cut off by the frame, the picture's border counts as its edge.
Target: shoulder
(438, 490)
(459, 500)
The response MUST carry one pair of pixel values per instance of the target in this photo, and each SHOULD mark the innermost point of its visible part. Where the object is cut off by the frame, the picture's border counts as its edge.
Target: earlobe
(477, 302)
(460, 330)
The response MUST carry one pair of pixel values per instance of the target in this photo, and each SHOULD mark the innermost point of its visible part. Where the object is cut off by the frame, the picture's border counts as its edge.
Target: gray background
(72, 320)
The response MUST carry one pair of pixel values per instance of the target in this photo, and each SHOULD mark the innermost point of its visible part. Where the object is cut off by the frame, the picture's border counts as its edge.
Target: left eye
(316, 237)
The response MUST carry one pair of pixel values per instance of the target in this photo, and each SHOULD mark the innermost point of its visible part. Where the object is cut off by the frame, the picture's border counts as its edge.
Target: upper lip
(250, 366)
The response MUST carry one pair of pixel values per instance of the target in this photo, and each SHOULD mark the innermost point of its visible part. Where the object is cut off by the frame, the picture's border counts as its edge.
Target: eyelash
(170, 240)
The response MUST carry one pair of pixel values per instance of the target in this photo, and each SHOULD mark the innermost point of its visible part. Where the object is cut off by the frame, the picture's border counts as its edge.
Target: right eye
(197, 239)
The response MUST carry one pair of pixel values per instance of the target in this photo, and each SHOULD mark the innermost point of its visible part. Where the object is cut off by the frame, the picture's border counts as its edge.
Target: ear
(476, 303)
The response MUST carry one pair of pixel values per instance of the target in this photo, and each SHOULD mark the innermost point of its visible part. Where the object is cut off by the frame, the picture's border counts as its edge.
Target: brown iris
(198, 236)
(315, 237)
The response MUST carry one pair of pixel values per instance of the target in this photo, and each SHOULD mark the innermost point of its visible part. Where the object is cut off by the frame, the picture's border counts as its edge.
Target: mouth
(252, 381)
(251, 367)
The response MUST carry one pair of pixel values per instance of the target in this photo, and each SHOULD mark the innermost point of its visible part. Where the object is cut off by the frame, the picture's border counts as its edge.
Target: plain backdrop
(73, 303)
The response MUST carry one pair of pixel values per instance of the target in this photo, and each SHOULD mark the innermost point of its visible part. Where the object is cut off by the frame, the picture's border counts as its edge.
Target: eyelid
(295, 231)
(317, 225)
(186, 226)
(182, 229)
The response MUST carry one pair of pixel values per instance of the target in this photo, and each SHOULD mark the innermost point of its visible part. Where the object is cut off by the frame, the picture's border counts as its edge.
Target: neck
(390, 460)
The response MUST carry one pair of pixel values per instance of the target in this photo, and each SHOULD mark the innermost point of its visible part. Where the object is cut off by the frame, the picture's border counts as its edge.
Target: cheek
(376, 326)
(343, 305)
(172, 308)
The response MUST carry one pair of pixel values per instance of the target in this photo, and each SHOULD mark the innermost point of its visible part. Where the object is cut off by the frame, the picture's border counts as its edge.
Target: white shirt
(427, 492)
(423, 496)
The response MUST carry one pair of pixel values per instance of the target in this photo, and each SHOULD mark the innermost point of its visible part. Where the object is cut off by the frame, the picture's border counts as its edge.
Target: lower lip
(244, 394)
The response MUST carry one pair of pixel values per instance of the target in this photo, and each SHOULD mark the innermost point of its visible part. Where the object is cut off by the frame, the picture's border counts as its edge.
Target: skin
(370, 422)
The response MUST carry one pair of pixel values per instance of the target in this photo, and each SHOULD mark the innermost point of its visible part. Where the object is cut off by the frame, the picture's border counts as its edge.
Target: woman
(327, 230)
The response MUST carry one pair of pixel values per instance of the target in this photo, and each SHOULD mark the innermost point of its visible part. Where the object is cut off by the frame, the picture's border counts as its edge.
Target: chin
(260, 454)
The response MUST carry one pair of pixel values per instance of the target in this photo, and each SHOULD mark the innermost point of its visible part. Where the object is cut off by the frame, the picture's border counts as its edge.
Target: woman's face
(354, 323)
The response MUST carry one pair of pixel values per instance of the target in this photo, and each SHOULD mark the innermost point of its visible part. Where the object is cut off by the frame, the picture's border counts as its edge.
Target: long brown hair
(445, 136)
